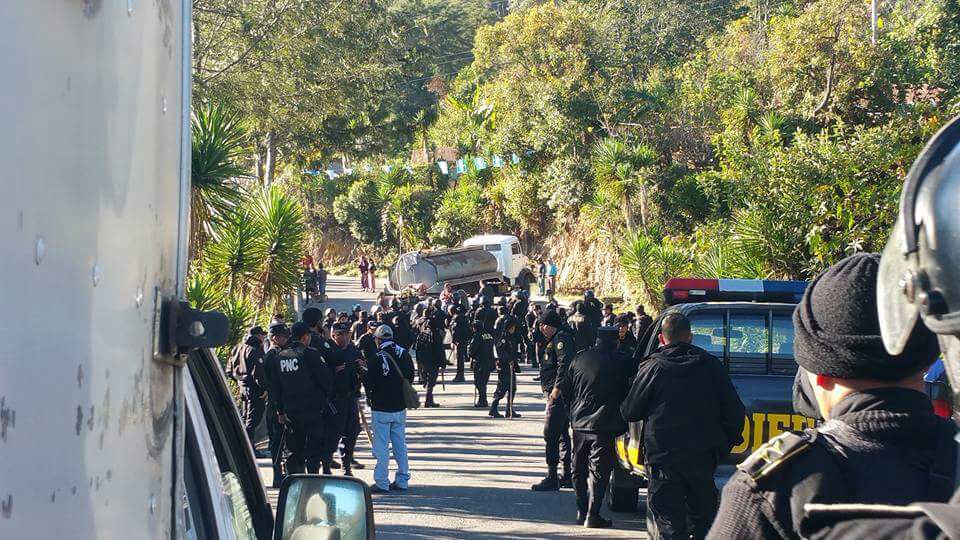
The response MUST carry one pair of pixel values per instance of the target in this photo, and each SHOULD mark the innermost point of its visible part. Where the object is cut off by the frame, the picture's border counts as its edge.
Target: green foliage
(359, 210)
(279, 218)
(459, 214)
(235, 256)
(241, 313)
(649, 260)
(218, 145)
(202, 292)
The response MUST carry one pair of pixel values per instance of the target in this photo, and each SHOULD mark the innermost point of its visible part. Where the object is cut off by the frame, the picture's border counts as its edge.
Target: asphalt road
(471, 474)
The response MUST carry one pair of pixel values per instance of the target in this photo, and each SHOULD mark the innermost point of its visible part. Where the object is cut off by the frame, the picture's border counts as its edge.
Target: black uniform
(507, 369)
(584, 332)
(301, 380)
(428, 359)
(274, 428)
(627, 346)
(460, 333)
(345, 425)
(593, 309)
(402, 329)
(594, 385)
(640, 325)
(532, 345)
(558, 353)
(881, 446)
(248, 373)
(368, 347)
(481, 355)
(692, 417)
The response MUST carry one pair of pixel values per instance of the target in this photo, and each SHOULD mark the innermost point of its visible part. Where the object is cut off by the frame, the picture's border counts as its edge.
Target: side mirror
(314, 507)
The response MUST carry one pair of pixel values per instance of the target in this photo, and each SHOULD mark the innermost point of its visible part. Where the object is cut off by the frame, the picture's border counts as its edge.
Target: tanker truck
(489, 258)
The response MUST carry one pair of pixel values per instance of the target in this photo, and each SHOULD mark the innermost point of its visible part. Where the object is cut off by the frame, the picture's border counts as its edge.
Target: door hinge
(179, 329)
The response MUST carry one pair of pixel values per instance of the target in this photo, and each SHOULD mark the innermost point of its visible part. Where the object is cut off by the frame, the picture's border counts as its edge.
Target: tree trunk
(271, 162)
(643, 206)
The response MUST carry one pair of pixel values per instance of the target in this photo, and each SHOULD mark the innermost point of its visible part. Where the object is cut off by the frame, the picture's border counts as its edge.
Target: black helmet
(918, 284)
(588, 294)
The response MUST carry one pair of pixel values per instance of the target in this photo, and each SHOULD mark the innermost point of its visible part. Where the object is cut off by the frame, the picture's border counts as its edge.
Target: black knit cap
(551, 318)
(838, 330)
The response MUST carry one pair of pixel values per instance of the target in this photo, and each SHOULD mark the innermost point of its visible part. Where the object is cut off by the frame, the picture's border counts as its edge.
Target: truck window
(515, 248)
(782, 361)
(492, 247)
(707, 330)
(749, 343)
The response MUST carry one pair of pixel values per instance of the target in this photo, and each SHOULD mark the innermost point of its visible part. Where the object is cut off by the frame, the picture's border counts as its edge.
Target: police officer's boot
(493, 409)
(596, 521)
(550, 483)
(566, 481)
(347, 469)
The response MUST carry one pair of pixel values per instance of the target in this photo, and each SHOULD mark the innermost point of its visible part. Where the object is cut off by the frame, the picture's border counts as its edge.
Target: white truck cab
(511, 261)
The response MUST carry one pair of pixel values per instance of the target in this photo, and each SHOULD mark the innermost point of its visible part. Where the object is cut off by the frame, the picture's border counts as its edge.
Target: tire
(624, 499)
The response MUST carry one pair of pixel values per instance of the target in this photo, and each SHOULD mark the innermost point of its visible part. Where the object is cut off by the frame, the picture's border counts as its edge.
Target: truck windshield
(492, 247)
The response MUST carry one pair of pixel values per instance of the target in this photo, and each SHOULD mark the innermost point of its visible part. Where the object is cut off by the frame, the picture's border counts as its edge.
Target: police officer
(460, 334)
(481, 356)
(487, 293)
(345, 428)
(428, 358)
(302, 381)
(641, 322)
(507, 369)
(627, 344)
(533, 333)
(584, 333)
(878, 418)
(609, 318)
(248, 372)
(592, 308)
(279, 337)
(692, 418)
(595, 385)
(917, 288)
(558, 352)
(485, 314)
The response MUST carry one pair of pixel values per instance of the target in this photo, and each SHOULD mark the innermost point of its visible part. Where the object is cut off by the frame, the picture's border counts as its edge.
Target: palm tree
(648, 261)
(279, 219)
(621, 172)
(219, 142)
(202, 293)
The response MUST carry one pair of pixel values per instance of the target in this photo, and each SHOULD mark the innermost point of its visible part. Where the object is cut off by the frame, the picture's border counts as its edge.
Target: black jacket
(558, 353)
(346, 381)
(881, 446)
(688, 404)
(249, 369)
(300, 380)
(506, 350)
(368, 347)
(594, 386)
(481, 351)
(584, 332)
(628, 348)
(402, 329)
(460, 328)
(383, 383)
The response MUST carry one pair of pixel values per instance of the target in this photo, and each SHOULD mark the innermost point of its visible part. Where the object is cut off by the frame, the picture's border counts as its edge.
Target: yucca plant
(218, 146)
(241, 313)
(622, 172)
(280, 221)
(236, 253)
(202, 293)
(648, 260)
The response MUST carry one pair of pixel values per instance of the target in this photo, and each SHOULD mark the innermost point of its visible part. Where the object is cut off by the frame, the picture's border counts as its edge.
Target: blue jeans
(390, 428)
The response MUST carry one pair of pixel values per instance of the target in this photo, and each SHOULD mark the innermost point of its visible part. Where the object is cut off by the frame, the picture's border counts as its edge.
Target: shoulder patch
(776, 452)
(560, 346)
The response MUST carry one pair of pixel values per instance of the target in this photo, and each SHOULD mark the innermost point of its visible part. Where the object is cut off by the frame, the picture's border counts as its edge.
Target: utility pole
(873, 22)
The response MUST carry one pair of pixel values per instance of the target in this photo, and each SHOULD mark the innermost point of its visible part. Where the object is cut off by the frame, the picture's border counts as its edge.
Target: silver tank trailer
(432, 269)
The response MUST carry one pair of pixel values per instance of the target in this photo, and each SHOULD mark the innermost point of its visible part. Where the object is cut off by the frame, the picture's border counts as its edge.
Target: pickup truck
(747, 325)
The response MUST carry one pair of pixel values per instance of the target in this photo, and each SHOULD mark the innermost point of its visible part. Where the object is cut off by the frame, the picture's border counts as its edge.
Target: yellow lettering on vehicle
(778, 424)
(758, 420)
(742, 447)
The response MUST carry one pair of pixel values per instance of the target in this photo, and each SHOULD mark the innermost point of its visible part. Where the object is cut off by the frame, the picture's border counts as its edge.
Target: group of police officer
(881, 464)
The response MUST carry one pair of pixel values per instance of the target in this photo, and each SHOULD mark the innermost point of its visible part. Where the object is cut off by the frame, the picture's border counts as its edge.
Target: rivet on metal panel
(40, 251)
(139, 297)
(163, 104)
(153, 504)
(197, 329)
(129, 8)
(97, 274)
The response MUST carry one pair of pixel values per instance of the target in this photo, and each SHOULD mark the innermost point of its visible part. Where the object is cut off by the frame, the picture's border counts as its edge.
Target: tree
(280, 220)
(622, 172)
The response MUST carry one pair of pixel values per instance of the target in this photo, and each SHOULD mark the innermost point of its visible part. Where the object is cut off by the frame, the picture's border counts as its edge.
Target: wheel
(624, 499)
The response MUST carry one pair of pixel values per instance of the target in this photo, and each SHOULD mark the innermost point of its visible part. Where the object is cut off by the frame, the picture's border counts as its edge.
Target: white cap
(383, 332)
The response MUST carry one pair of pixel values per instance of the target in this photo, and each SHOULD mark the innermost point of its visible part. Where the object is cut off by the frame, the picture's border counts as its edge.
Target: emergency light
(686, 290)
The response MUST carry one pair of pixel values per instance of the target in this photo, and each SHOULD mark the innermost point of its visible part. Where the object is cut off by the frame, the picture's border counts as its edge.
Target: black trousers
(275, 435)
(461, 352)
(304, 434)
(592, 466)
(506, 382)
(679, 491)
(556, 434)
(481, 377)
(253, 407)
(430, 375)
(342, 425)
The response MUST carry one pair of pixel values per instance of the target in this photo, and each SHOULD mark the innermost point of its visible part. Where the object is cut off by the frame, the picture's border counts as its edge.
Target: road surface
(471, 474)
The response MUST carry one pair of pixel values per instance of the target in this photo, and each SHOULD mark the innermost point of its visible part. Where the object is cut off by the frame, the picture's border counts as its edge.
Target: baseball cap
(383, 332)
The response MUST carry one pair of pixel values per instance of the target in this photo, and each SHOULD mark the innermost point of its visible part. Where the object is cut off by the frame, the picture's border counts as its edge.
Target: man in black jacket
(507, 369)
(279, 338)
(595, 385)
(481, 357)
(428, 359)
(301, 380)
(460, 333)
(559, 350)
(248, 372)
(383, 379)
(692, 417)
(881, 442)
(345, 425)
(627, 346)
(584, 332)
